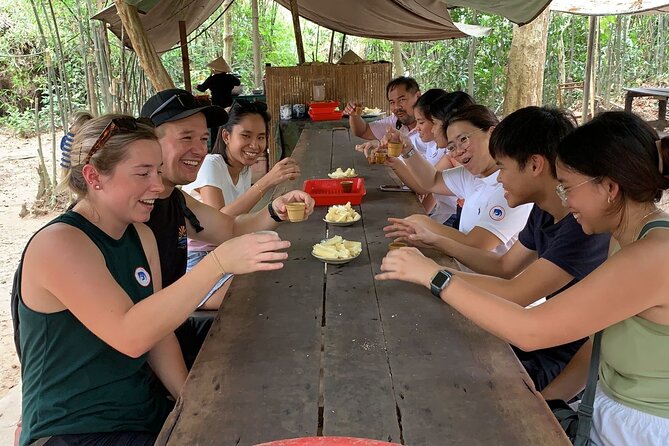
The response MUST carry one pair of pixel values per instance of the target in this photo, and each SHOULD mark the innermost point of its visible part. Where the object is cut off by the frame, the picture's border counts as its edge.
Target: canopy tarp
(403, 20)
(610, 7)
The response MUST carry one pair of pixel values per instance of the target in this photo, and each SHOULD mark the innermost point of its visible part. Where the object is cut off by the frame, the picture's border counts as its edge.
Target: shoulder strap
(16, 293)
(188, 213)
(652, 225)
(585, 409)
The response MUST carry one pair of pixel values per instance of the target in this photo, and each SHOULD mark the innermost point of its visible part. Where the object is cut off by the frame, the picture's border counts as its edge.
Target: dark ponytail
(623, 147)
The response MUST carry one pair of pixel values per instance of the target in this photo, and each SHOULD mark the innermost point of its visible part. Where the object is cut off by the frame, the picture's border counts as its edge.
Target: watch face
(440, 279)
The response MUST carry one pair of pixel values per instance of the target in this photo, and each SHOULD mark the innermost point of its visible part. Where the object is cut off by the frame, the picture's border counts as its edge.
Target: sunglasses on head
(116, 125)
(257, 106)
(187, 101)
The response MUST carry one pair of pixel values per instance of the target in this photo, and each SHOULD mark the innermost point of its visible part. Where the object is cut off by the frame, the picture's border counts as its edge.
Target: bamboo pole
(588, 69)
(298, 32)
(42, 172)
(185, 60)
(143, 47)
(61, 60)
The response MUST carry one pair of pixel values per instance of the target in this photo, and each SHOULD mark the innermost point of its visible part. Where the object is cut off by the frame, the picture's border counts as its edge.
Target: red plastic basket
(327, 106)
(327, 192)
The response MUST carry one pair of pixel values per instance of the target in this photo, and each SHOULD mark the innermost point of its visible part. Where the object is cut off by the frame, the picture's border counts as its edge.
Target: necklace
(640, 225)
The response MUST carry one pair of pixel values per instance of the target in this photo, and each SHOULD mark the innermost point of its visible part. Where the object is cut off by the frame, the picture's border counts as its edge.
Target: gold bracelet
(218, 262)
(262, 194)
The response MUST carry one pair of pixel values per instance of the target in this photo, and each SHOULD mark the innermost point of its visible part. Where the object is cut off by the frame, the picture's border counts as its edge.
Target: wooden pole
(185, 61)
(588, 69)
(331, 47)
(343, 44)
(397, 59)
(146, 53)
(298, 32)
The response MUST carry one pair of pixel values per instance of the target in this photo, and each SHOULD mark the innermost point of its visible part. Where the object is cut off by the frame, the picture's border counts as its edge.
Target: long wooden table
(309, 350)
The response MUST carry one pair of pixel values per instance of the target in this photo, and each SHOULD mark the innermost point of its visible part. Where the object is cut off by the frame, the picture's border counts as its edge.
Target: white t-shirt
(446, 205)
(380, 127)
(214, 172)
(486, 207)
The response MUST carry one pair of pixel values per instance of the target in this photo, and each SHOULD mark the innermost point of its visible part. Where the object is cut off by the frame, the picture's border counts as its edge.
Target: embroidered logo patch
(142, 276)
(497, 213)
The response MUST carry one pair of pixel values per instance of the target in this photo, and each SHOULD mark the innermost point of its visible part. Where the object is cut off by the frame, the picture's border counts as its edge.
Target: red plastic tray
(327, 192)
(330, 116)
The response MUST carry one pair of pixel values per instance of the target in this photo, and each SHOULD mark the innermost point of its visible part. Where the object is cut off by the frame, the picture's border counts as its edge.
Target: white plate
(342, 178)
(342, 223)
(334, 261)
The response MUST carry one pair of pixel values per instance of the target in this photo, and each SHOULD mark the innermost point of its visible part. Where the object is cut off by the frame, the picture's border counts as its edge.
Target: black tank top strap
(190, 216)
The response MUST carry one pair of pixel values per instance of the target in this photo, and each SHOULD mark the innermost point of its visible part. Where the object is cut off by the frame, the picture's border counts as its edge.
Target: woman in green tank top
(94, 324)
(612, 172)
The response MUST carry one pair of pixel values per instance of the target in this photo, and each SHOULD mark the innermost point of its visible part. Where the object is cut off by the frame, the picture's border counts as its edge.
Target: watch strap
(272, 213)
(409, 154)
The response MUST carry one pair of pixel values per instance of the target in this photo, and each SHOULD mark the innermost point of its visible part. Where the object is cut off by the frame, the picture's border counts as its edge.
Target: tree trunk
(527, 57)
(227, 27)
(331, 47)
(257, 69)
(606, 83)
(397, 59)
(148, 58)
(589, 68)
(471, 58)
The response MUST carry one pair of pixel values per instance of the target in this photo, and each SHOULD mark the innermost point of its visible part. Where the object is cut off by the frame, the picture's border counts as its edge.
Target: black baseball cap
(175, 103)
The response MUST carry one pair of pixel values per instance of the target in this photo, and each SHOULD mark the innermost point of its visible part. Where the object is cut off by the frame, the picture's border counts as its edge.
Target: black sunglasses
(257, 106)
(116, 125)
(187, 102)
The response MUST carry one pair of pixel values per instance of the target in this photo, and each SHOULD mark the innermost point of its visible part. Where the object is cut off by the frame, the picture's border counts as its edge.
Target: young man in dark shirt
(182, 128)
(552, 251)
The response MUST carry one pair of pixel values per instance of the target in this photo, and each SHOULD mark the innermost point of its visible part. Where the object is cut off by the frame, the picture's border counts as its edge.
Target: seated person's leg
(191, 335)
(541, 368)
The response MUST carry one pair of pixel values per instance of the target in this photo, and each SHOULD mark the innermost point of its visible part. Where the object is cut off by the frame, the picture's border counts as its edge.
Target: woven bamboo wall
(293, 85)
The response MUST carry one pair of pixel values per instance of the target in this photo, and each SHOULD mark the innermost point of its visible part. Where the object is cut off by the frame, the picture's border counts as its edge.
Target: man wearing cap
(182, 129)
(220, 83)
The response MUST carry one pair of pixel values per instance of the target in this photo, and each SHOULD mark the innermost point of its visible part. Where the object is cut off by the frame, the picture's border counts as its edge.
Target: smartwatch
(273, 214)
(439, 282)
(409, 154)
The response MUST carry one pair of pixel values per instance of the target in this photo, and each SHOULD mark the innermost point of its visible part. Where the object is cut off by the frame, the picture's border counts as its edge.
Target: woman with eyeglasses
(94, 326)
(486, 221)
(612, 172)
(224, 180)
(441, 208)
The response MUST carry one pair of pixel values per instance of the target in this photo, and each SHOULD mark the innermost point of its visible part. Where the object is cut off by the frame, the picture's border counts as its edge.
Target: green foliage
(632, 51)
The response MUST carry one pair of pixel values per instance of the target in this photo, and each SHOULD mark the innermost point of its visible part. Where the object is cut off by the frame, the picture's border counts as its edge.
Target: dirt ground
(18, 185)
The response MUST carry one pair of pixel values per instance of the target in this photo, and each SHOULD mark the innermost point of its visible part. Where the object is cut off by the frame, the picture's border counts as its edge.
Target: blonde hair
(105, 159)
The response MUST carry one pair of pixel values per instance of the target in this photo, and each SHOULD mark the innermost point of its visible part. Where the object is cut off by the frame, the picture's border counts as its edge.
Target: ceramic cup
(296, 211)
(380, 157)
(394, 149)
(396, 245)
(286, 111)
(299, 111)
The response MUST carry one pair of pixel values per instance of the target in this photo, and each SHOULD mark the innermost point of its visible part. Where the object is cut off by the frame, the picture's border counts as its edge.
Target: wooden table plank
(358, 396)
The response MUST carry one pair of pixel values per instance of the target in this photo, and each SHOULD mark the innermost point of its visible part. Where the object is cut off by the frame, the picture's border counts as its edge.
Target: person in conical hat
(220, 83)
(219, 65)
